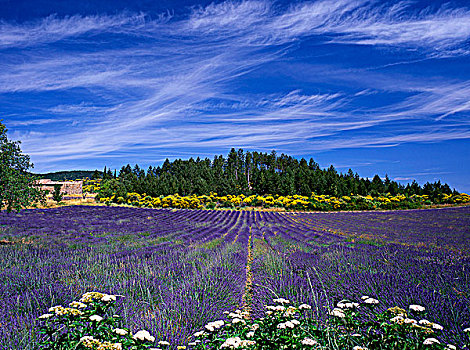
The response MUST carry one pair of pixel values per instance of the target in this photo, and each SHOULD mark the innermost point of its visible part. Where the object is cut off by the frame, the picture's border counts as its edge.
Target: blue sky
(381, 87)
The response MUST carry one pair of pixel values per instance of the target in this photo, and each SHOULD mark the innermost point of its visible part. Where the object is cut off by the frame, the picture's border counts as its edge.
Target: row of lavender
(181, 269)
(400, 258)
(173, 282)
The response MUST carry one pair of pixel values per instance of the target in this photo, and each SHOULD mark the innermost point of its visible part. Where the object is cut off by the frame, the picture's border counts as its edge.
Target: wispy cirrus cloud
(53, 29)
(142, 82)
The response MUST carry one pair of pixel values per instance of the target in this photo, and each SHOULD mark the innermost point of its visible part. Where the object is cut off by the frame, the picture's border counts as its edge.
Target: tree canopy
(253, 173)
(17, 185)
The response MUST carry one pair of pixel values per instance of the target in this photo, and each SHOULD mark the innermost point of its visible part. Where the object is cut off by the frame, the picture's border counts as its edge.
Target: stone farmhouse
(68, 187)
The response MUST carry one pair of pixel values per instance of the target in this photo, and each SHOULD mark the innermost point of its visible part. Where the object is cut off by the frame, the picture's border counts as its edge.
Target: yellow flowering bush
(294, 202)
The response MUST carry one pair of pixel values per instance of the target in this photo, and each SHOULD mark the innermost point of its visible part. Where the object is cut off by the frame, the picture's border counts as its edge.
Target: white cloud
(54, 29)
(174, 84)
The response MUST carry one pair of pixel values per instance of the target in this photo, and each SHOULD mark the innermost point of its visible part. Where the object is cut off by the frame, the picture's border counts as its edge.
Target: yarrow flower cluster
(284, 327)
(212, 326)
(337, 313)
(88, 325)
(244, 333)
(431, 341)
(60, 310)
(95, 296)
(143, 335)
(288, 324)
(92, 343)
(91, 296)
(417, 308)
(309, 342)
(370, 301)
(77, 305)
(236, 342)
(346, 304)
(281, 301)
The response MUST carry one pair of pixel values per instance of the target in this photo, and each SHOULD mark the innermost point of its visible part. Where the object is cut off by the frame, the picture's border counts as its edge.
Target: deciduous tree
(17, 185)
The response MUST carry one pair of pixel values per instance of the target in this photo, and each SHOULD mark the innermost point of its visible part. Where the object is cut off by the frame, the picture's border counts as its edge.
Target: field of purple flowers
(180, 269)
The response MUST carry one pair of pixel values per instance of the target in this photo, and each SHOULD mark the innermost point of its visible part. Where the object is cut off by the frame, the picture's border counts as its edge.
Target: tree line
(254, 173)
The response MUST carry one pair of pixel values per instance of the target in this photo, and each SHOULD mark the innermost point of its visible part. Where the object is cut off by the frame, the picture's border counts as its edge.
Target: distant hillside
(68, 175)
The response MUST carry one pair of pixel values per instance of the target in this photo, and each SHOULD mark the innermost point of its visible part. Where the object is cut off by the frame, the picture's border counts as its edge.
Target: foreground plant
(350, 325)
(89, 324)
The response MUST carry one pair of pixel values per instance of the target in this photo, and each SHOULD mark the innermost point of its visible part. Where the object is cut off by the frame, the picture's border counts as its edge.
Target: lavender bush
(181, 269)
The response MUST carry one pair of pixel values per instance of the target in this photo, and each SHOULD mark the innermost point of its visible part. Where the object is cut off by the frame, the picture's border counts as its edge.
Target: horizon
(381, 87)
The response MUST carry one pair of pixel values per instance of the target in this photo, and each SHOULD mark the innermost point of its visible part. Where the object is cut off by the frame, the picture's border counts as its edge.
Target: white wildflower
(281, 301)
(254, 327)
(231, 343)
(305, 307)
(163, 343)
(218, 323)
(397, 319)
(431, 341)
(46, 316)
(96, 318)
(290, 311)
(77, 304)
(337, 312)
(410, 320)
(342, 303)
(281, 326)
(120, 331)
(91, 296)
(245, 343)
(108, 297)
(347, 305)
(357, 347)
(364, 297)
(417, 308)
(371, 301)
(309, 342)
(86, 339)
(143, 335)
(199, 334)
(450, 347)
(212, 326)
(209, 327)
(275, 308)
(238, 320)
(437, 326)
(290, 324)
(250, 334)
(425, 323)
(467, 330)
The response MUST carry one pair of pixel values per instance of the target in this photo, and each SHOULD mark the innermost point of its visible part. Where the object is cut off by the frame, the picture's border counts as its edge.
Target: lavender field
(179, 269)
